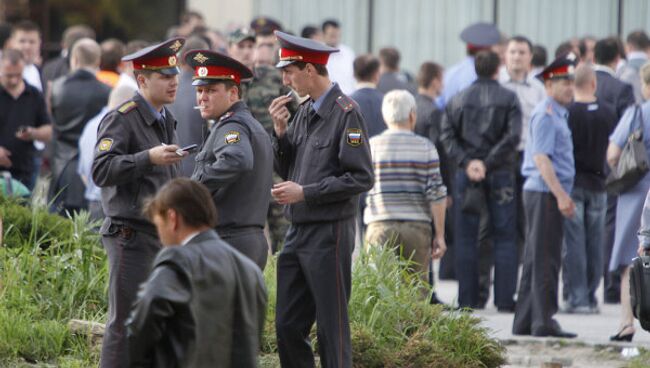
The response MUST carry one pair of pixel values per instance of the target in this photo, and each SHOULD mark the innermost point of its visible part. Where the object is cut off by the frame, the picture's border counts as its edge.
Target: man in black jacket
(76, 98)
(620, 95)
(480, 131)
(204, 302)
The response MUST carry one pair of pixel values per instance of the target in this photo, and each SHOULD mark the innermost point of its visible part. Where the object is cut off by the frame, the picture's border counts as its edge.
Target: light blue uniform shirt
(549, 134)
(87, 143)
(457, 78)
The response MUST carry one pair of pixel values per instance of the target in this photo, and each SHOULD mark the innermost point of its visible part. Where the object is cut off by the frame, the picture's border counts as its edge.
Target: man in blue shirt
(549, 170)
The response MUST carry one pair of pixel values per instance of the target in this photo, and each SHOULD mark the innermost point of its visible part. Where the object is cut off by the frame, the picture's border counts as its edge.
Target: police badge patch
(232, 137)
(354, 137)
(105, 145)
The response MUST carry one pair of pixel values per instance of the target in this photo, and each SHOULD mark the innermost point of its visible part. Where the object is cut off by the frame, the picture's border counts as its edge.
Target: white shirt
(33, 76)
(341, 70)
(190, 237)
(127, 81)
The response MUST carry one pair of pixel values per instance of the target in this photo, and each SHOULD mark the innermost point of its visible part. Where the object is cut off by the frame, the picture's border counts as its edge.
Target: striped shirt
(407, 178)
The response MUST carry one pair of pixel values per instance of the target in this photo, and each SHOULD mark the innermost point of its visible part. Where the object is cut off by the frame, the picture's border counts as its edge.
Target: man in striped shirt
(408, 194)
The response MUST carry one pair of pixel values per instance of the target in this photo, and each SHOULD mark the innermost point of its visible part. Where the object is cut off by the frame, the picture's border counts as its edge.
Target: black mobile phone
(191, 148)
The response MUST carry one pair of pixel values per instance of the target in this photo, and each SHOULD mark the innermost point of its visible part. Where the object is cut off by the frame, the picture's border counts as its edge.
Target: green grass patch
(53, 269)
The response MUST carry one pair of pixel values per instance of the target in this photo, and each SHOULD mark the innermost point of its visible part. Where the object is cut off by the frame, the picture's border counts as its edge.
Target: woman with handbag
(633, 127)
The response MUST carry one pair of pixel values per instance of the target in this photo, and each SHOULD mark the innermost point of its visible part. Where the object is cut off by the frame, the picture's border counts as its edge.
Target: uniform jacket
(122, 167)
(203, 306)
(236, 165)
(327, 153)
(482, 122)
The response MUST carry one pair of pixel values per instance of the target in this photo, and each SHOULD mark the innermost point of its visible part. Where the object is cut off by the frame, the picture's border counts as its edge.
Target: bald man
(75, 99)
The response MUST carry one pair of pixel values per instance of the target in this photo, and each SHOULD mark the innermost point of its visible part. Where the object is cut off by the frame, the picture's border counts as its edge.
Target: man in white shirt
(340, 63)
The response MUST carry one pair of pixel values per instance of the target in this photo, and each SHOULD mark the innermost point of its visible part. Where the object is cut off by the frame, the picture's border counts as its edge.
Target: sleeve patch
(345, 103)
(105, 145)
(232, 137)
(354, 137)
(128, 106)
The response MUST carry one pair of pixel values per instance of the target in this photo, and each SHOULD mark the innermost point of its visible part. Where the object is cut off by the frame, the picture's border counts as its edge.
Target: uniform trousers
(314, 284)
(250, 241)
(130, 255)
(538, 288)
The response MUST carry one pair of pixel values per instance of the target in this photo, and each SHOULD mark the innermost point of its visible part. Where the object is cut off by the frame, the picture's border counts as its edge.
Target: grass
(53, 269)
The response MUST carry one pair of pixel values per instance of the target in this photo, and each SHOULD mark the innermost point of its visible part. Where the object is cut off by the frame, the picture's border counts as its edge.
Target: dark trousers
(130, 255)
(612, 290)
(537, 299)
(314, 286)
(500, 199)
(250, 241)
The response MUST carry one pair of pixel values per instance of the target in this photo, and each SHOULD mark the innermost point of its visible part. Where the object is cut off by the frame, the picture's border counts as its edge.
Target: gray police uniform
(236, 165)
(326, 151)
(124, 172)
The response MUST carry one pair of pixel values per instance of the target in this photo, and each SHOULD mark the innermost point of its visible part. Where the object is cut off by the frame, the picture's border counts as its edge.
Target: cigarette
(197, 107)
(288, 94)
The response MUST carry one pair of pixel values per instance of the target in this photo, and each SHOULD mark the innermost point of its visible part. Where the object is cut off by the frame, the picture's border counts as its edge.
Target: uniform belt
(230, 231)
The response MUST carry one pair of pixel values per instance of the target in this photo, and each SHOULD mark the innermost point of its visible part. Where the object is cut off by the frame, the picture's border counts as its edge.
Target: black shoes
(557, 333)
(508, 309)
(620, 337)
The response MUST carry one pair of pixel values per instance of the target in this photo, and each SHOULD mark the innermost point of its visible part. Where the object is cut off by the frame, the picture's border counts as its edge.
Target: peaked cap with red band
(211, 67)
(159, 58)
(561, 68)
(294, 49)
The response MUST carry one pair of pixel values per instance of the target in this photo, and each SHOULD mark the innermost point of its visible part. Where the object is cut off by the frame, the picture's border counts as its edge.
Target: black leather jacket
(203, 306)
(483, 122)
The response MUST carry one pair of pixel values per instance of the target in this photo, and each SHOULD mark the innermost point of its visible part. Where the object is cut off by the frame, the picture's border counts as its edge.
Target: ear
(141, 79)
(172, 218)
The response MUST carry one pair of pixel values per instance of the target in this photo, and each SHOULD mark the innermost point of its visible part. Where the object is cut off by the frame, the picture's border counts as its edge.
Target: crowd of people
(295, 144)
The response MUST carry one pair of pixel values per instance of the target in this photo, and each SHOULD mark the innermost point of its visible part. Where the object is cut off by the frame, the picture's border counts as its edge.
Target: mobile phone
(190, 148)
(21, 129)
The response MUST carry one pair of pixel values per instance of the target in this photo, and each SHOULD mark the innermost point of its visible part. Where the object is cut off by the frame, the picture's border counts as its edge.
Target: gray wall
(428, 29)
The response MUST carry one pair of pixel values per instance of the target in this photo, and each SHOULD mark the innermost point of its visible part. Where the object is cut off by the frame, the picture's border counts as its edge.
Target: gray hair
(397, 106)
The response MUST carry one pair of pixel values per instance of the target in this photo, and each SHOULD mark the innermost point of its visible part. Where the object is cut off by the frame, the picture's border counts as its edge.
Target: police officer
(136, 153)
(325, 159)
(549, 170)
(236, 160)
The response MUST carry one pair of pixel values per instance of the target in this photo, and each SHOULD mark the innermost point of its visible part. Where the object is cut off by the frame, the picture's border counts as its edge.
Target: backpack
(640, 290)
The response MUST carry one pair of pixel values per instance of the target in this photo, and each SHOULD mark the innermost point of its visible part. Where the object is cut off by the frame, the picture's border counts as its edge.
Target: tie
(161, 122)
(311, 113)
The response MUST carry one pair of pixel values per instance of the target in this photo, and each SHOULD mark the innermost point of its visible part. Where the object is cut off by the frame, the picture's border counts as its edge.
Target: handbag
(633, 163)
(640, 290)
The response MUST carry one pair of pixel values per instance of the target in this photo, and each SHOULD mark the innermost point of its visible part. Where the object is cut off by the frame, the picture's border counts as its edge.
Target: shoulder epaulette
(127, 106)
(226, 116)
(345, 103)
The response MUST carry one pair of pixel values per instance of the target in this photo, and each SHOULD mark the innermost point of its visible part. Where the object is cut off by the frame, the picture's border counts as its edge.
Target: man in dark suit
(620, 95)
(391, 76)
(75, 99)
(204, 302)
(367, 96)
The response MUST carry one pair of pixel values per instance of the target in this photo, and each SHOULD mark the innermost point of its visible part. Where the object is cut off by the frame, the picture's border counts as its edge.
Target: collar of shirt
(189, 238)
(361, 85)
(603, 68)
(29, 89)
(637, 55)
(317, 104)
(558, 109)
(158, 115)
(505, 77)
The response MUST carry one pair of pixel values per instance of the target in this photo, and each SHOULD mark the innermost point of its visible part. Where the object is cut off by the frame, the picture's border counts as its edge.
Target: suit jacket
(611, 90)
(395, 80)
(369, 101)
(76, 98)
(203, 305)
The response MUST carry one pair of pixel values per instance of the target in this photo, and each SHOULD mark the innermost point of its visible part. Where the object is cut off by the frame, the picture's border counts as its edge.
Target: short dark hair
(190, 199)
(486, 63)
(308, 31)
(330, 23)
(522, 39)
(582, 45)
(389, 56)
(427, 73)
(112, 53)
(563, 49)
(5, 34)
(74, 33)
(638, 39)
(539, 56)
(606, 50)
(12, 56)
(25, 26)
(320, 68)
(365, 67)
